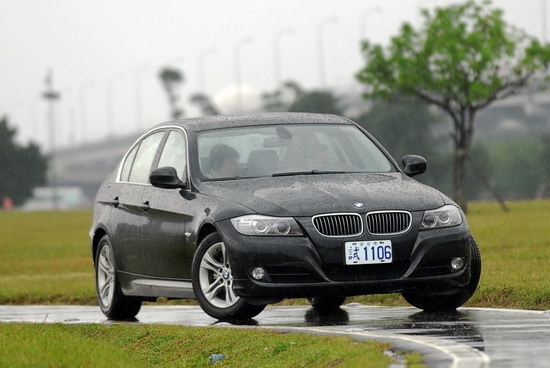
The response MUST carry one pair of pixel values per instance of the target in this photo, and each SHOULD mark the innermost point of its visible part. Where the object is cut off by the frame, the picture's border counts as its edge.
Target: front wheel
(440, 303)
(113, 303)
(213, 282)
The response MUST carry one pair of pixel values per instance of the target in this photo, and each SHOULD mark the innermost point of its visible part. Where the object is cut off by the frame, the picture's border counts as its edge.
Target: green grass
(46, 257)
(42, 345)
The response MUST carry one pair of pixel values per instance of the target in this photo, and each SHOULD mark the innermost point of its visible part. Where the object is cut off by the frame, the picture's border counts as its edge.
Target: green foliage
(22, 168)
(517, 165)
(318, 101)
(463, 58)
(465, 55)
(403, 125)
(171, 79)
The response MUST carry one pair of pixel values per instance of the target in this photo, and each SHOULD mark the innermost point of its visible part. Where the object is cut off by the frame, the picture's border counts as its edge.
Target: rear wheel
(213, 282)
(113, 303)
(326, 304)
(440, 303)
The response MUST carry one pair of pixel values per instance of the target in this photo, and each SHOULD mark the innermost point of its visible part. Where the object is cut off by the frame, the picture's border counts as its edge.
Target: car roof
(252, 119)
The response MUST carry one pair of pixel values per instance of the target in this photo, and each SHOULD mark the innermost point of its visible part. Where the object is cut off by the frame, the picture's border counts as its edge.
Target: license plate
(368, 252)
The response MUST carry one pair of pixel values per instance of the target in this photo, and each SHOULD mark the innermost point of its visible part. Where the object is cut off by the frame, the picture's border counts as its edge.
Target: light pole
(277, 54)
(237, 65)
(201, 66)
(82, 105)
(543, 19)
(110, 102)
(51, 95)
(363, 20)
(320, 48)
(139, 108)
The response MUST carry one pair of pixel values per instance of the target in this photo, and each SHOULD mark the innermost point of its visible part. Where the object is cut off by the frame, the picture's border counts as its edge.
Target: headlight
(265, 225)
(445, 216)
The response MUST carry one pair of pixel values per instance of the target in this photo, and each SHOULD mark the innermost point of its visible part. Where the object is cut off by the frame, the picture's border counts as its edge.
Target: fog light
(457, 263)
(258, 273)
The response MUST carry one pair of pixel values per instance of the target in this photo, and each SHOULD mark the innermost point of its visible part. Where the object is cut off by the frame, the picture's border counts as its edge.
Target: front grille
(394, 222)
(339, 224)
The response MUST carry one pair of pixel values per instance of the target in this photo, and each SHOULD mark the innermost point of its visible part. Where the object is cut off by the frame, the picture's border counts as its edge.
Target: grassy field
(46, 257)
(42, 345)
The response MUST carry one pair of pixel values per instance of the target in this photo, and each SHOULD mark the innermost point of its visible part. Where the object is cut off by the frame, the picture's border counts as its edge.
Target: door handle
(145, 206)
(115, 202)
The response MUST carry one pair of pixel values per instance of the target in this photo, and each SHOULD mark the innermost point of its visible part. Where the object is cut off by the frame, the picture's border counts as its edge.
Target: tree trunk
(464, 131)
(459, 178)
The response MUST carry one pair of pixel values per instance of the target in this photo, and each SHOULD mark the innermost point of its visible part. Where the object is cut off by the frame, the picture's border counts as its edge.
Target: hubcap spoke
(213, 291)
(210, 263)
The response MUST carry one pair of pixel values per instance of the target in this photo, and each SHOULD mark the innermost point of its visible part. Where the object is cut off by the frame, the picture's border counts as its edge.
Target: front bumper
(314, 265)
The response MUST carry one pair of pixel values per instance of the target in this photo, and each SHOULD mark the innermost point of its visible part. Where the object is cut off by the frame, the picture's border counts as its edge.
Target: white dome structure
(232, 99)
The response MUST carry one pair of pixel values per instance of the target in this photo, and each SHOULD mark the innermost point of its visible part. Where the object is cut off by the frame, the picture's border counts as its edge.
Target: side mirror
(414, 165)
(166, 177)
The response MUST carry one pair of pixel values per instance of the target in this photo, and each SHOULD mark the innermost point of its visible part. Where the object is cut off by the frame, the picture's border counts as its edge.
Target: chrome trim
(166, 127)
(339, 214)
(389, 212)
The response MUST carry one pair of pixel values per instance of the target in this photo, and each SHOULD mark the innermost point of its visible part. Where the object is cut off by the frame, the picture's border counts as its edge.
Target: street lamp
(138, 79)
(543, 19)
(201, 64)
(82, 105)
(277, 53)
(237, 65)
(320, 46)
(110, 101)
(51, 95)
(363, 20)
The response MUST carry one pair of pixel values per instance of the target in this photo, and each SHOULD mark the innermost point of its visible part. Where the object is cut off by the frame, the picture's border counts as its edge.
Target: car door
(128, 206)
(165, 246)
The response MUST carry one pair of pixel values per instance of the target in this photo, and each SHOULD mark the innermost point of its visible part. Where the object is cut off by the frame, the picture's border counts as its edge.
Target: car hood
(308, 195)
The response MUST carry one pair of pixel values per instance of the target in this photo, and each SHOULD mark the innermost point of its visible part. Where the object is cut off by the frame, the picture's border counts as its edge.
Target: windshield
(279, 150)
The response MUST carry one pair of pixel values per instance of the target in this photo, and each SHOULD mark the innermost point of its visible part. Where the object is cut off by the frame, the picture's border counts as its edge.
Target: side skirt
(137, 285)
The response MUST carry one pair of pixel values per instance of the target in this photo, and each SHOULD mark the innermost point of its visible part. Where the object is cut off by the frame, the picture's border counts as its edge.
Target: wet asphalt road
(471, 337)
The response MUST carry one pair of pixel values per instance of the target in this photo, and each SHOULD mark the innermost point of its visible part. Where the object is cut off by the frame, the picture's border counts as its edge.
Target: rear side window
(127, 166)
(143, 160)
(174, 152)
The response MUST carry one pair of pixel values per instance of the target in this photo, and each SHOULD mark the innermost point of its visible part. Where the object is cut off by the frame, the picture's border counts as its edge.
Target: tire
(326, 305)
(213, 283)
(113, 303)
(443, 303)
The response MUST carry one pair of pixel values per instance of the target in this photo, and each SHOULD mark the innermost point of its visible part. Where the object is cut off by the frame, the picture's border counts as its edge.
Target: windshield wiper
(311, 172)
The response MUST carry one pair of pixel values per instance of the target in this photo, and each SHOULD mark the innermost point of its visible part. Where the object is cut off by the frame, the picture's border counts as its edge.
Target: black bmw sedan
(242, 211)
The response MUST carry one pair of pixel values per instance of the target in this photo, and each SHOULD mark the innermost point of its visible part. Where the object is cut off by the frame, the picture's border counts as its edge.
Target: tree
(319, 101)
(462, 59)
(283, 97)
(171, 79)
(403, 125)
(205, 103)
(22, 169)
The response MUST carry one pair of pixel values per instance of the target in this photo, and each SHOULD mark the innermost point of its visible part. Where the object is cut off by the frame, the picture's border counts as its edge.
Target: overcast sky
(108, 53)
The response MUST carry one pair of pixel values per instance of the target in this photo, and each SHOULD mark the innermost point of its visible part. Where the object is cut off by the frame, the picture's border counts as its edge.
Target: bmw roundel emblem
(358, 205)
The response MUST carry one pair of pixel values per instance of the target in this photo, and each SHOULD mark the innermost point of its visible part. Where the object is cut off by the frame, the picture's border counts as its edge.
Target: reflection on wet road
(467, 338)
